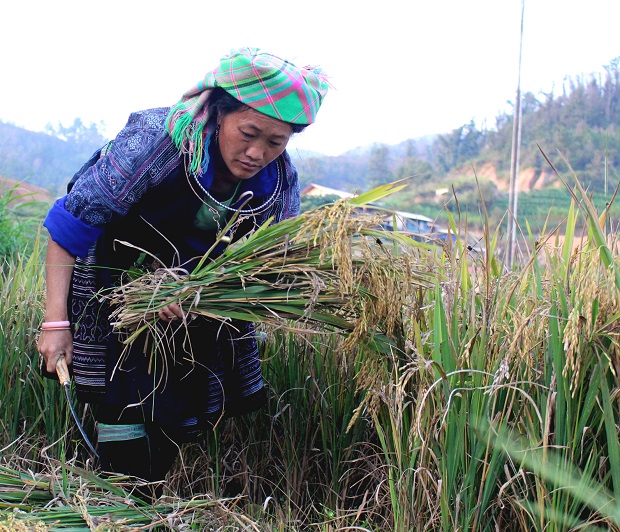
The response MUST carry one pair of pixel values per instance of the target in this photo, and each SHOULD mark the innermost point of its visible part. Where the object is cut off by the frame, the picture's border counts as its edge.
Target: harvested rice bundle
(332, 266)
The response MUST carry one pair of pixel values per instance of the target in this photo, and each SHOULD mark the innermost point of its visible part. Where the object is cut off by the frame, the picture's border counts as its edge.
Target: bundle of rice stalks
(331, 267)
(71, 498)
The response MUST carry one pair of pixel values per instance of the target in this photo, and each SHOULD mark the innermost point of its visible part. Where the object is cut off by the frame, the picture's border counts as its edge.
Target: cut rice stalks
(71, 498)
(332, 267)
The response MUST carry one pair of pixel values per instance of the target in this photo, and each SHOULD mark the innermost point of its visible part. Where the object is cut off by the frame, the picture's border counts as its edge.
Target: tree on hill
(579, 127)
(413, 166)
(379, 171)
(456, 148)
(582, 124)
(78, 133)
(47, 159)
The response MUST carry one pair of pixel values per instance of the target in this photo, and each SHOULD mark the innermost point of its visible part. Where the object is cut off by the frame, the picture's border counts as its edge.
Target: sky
(399, 69)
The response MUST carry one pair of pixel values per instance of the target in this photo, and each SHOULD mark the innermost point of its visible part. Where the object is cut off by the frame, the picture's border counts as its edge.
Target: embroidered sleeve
(291, 199)
(68, 231)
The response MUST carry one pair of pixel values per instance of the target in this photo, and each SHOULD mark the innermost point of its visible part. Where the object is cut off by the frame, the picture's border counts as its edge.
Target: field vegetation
(496, 409)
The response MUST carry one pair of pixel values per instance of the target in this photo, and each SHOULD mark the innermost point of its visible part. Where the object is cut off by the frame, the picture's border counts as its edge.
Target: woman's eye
(247, 135)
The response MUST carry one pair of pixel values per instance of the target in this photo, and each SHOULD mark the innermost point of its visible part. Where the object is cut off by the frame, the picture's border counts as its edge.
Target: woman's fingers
(54, 343)
(171, 312)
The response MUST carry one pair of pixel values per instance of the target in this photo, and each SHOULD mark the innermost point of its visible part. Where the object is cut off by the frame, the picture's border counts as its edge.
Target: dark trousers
(149, 458)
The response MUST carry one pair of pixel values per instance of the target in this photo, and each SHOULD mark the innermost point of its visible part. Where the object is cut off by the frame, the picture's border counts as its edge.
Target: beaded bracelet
(55, 325)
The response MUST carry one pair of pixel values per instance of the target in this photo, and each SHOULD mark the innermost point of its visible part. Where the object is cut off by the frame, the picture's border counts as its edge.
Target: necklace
(255, 210)
(216, 211)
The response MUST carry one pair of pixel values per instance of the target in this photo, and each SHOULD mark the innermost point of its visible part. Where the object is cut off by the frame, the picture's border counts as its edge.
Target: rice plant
(492, 405)
(32, 408)
(328, 267)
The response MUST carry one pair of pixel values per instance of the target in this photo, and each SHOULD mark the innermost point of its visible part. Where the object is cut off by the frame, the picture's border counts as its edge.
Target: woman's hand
(172, 312)
(53, 344)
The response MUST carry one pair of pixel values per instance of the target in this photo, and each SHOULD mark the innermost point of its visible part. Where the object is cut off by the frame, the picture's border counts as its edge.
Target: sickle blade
(65, 381)
(77, 422)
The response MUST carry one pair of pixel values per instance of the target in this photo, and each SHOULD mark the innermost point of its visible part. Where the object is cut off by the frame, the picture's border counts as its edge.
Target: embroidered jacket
(136, 191)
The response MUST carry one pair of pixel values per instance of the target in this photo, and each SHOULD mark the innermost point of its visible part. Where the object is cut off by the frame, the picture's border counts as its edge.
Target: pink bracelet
(55, 325)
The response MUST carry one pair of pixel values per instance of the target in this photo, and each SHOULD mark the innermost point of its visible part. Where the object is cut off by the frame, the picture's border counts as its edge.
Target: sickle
(65, 381)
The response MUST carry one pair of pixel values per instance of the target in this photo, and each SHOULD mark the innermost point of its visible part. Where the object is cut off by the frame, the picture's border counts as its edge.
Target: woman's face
(249, 141)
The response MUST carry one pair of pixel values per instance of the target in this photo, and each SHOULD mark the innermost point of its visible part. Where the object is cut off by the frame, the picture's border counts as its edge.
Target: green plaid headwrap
(268, 84)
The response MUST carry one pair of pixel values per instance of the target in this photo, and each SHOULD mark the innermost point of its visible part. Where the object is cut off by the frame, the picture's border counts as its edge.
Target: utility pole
(514, 161)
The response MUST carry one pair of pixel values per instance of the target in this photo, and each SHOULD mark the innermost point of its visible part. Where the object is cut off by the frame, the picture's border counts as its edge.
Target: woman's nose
(255, 151)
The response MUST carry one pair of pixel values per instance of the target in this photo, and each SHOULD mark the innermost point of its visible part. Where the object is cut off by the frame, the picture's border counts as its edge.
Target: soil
(23, 192)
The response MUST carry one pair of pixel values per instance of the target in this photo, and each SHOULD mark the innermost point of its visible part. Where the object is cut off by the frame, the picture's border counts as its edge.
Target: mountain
(44, 159)
(578, 132)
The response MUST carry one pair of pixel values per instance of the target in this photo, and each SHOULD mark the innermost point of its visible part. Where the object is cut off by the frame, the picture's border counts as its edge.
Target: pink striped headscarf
(263, 81)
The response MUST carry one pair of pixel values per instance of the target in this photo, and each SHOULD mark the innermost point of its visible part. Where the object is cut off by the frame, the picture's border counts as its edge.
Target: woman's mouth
(249, 167)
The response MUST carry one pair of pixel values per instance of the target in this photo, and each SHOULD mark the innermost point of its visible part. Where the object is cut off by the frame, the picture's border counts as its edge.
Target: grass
(496, 408)
(31, 408)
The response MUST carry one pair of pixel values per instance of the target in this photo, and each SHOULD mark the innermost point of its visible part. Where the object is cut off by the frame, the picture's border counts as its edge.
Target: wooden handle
(63, 371)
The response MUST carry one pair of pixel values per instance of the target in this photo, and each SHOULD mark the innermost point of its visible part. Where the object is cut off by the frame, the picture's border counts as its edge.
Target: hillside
(579, 131)
(22, 208)
(22, 192)
(47, 160)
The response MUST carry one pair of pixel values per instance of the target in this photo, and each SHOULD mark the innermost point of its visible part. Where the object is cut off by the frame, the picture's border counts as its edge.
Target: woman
(159, 194)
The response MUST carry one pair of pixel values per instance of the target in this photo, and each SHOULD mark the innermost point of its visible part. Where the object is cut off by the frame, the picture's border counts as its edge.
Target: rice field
(496, 408)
